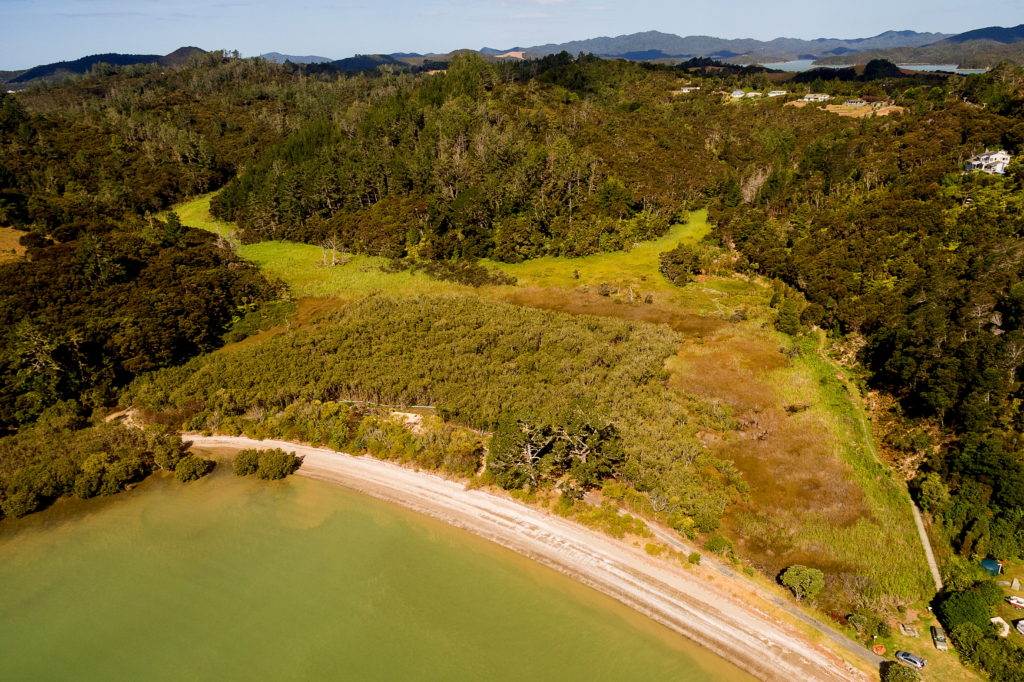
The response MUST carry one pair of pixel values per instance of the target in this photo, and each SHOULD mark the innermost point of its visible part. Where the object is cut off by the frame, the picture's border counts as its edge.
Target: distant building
(816, 97)
(855, 103)
(753, 94)
(777, 93)
(736, 94)
(688, 89)
(994, 163)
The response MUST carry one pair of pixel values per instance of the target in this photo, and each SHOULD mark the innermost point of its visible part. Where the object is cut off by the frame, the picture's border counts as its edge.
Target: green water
(232, 579)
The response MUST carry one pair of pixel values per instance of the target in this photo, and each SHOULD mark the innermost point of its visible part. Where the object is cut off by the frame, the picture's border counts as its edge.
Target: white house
(816, 97)
(777, 93)
(753, 94)
(688, 89)
(736, 94)
(990, 162)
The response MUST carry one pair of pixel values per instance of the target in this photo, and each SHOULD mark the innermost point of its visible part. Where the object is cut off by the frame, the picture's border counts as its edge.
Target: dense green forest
(868, 226)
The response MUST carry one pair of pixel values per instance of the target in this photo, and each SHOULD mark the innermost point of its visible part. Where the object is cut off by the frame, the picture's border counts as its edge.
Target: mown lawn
(1011, 614)
(941, 666)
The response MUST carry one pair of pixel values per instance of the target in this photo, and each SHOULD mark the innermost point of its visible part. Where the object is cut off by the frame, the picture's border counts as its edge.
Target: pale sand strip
(678, 599)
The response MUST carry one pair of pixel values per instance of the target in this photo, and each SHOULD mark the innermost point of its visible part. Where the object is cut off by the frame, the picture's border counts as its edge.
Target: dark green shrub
(680, 264)
(964, 607)
(276, 464)
(246, 462)
(192, 468)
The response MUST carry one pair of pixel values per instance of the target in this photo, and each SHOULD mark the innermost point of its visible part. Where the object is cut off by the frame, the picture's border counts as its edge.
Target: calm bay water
(232, 579)
(808, 64)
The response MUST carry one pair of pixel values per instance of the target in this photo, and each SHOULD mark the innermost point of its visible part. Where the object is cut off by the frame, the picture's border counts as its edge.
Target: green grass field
(302, 268)
(637, 267)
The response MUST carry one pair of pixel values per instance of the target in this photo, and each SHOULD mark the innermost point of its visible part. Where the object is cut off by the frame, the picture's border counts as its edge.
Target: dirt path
(927, 547)
(681, 600)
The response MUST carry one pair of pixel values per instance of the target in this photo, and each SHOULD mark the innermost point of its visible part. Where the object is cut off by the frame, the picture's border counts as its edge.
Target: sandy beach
(679, 599)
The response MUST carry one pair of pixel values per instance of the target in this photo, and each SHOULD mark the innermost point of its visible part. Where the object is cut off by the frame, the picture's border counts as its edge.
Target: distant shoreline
(676, 598)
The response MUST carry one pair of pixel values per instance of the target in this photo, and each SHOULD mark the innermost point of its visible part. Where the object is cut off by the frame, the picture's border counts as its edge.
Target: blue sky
(41, 31)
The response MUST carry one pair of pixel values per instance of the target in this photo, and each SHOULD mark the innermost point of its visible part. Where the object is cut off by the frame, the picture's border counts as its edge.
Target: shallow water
(808, 64)
(232, 579)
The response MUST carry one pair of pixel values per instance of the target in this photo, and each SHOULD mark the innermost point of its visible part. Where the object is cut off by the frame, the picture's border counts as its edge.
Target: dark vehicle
(939, 638)
(910, 659)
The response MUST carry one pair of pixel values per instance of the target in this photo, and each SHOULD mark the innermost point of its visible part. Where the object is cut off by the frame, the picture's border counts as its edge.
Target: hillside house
(993, 163)
(736, 94)
(753, 94)
(688, 89)
(855, 103)
(777, 93)
(816, 97)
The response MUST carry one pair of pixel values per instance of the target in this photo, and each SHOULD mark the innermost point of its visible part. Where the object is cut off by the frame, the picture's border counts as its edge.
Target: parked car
(939, 637)
(910, 659)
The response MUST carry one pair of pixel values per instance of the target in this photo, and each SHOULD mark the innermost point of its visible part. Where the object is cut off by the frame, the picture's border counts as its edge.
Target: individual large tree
(803, 581)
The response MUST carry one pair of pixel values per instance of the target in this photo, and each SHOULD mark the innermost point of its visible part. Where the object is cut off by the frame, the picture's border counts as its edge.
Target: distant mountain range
(980, 47)
(973, 49)
(657, 45)
(295, 59)
(16, 80)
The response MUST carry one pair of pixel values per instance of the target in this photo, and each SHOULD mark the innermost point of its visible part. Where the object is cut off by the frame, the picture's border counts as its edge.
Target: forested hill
(980, 48)
(61, 70)
(108, 291)
(997, 34)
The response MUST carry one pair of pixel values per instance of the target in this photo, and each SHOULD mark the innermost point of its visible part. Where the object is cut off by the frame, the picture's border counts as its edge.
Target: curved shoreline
(738, 632)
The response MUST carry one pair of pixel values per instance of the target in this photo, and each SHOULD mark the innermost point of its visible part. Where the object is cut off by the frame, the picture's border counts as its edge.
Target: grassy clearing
(1011, 570)
(898, 561)
(196, 213)
(818, 494)
(302, 268)
(637, 268)
(620, 284)
(862, 112)
(568, 284)
(10, 249)
(942, 666)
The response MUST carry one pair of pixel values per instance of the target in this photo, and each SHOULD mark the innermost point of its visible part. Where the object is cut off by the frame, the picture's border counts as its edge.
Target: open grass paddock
(10, 249)
(302, 268)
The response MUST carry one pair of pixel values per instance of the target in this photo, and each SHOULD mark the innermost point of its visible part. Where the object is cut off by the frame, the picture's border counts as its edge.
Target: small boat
(1020, 626)
(1017, 602)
